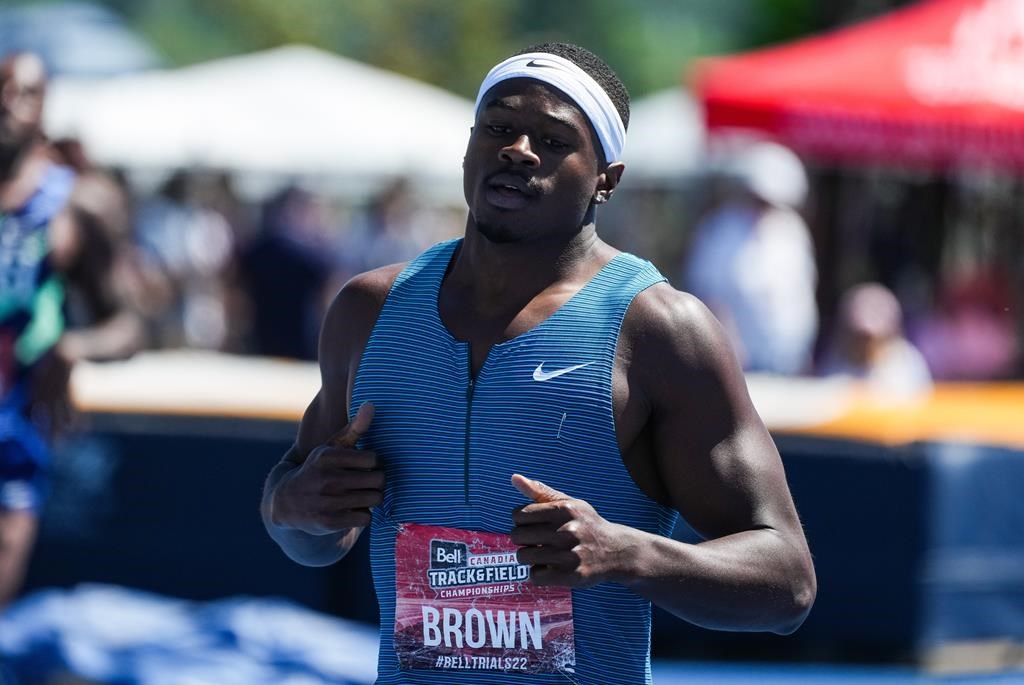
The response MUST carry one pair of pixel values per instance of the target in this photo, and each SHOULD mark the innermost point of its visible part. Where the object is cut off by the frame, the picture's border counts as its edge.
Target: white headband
(574, 82)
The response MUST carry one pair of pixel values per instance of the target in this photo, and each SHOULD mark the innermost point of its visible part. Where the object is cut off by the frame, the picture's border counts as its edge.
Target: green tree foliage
(781, 20)
(452, 43)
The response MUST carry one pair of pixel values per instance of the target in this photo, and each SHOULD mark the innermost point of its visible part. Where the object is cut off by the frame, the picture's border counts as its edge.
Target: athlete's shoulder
(349, 321)
(679, 358)
(373, 284)
(363, 295)
(667, 325)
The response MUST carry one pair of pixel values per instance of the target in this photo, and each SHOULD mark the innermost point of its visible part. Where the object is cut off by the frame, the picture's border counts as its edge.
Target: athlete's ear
(464, 156)
(607, 181)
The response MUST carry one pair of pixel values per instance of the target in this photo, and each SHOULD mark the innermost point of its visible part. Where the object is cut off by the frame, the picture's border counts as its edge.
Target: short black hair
(595, 67)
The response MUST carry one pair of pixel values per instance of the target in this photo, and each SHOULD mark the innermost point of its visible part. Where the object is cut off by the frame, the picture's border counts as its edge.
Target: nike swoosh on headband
(577, 84)
(539, 374)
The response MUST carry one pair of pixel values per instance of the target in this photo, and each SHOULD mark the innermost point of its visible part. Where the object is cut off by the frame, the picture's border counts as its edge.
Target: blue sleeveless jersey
(450, 445)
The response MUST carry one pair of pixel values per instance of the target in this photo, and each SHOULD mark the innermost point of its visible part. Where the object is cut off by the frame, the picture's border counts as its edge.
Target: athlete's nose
(519, 152)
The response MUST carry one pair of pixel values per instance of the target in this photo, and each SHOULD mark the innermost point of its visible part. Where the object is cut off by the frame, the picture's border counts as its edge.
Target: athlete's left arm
(720, 470)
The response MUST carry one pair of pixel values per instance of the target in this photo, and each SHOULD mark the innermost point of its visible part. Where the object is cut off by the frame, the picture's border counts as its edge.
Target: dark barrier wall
(172, 506)
(913, 546)
(972, 579)
(863, 509)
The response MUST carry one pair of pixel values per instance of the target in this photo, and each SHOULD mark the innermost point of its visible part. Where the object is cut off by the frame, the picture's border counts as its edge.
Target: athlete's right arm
(317, 499)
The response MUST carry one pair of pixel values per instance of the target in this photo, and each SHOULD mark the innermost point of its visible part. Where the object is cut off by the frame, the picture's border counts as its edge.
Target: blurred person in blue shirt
(55, 253)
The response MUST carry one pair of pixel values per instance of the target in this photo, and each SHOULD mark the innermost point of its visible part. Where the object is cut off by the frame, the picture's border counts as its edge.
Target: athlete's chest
(483, 328)
(544, 368)
(538, 391)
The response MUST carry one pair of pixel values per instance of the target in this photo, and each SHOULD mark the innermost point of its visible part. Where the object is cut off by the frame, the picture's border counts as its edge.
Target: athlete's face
(533, 166)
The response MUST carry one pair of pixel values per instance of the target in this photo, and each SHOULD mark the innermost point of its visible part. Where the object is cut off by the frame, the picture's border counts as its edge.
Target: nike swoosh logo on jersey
(539, 374)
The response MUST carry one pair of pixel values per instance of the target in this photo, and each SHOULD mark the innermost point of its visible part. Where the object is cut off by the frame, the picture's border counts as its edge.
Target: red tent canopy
(939, 83)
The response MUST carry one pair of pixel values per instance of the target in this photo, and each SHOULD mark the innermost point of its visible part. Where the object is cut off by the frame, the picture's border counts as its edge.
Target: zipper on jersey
(470, 387)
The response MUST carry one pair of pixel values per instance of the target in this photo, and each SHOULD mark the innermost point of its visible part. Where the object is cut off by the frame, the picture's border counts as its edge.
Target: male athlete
(47, 250)
(519, 415)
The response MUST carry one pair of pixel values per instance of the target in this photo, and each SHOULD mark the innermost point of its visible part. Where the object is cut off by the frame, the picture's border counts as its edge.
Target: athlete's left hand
(564, 540)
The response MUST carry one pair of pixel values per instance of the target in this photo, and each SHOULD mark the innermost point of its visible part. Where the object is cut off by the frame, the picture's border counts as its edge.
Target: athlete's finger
(354, 429)
(547, 556)
(349, 518)
(536, 490)
(347, 458)
(540, 534)
(345, 481)
(359, 499)
(556, 513)
(549, 575)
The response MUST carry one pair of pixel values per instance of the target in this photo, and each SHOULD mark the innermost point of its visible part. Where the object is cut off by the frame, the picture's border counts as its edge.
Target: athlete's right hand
(334, 488)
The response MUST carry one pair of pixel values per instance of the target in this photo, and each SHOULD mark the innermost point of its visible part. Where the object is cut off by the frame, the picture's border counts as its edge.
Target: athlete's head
(22, 88)
(596, 68)
(546, 144)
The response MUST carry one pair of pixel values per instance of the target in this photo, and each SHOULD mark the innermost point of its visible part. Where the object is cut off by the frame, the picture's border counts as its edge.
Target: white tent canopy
(666, 138)
(290, 111)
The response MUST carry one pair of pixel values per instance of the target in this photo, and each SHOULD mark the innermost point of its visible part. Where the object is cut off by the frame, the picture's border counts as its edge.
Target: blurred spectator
(192, 246)
(104, 295)
(32, 191)
(393, 230)
(57, 302)
(92, 246)
(868, 345)
(217, 193)
(752, 263)
(286, 274)
(971, 333)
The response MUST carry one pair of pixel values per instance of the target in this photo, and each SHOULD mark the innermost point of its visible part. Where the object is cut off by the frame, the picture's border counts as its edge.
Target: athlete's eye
(555, 144)
(498, 129)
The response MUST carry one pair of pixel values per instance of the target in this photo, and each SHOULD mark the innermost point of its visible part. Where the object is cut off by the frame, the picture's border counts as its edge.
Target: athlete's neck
(497, 273)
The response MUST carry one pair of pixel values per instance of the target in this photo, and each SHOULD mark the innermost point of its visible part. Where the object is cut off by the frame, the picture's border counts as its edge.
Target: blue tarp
(116, 635)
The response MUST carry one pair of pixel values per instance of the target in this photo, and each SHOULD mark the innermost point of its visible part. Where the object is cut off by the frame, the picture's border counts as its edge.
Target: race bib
(463, 602)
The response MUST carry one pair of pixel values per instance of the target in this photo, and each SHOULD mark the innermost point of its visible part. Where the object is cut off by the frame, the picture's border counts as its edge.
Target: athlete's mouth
(509, 191)
(511, 184)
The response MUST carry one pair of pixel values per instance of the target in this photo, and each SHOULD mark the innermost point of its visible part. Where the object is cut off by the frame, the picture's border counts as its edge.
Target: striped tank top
(450, 444)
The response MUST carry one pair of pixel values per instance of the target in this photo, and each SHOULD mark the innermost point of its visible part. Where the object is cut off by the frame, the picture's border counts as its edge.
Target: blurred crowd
(255, 278)
(196, 266)
(191, 263)
(895, 323)
(202, 268)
